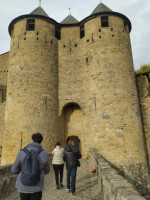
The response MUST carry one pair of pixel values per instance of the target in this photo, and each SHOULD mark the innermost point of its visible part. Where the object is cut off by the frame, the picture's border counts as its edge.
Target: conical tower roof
(69, 20)
(101, 8)
(39, 11)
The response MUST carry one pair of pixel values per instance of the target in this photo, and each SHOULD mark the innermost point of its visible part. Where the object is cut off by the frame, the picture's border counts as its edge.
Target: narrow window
(82, 34)
(87, 40)
(58, 33)
(3, 89)
(30, 25)
(104, 21)
(76, 45)
(87, 61)
(92, 38)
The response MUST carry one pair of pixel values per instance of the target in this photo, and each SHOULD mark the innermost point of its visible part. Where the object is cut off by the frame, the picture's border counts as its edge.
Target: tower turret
(32, 94)
(116, 122)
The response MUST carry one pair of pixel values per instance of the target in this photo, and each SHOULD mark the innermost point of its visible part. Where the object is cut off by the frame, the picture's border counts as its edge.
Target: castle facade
(74, 79)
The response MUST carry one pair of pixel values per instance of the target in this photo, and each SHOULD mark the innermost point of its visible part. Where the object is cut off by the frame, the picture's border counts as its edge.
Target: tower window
(3, 89)
(87, 61)
(82, 33)
(58, 33)
(104, 21)
(30, 24)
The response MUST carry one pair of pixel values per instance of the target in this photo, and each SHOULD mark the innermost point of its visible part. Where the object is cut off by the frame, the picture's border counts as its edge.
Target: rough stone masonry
(75, 79)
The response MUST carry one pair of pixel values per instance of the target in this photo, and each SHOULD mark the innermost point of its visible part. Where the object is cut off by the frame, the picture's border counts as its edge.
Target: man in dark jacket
(31, 192)
(71, 156)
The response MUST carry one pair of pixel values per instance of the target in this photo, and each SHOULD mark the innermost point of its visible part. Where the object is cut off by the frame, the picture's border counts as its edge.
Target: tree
(143, 69)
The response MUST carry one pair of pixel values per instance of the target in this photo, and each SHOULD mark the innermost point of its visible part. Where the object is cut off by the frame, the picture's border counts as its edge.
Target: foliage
(143, 69)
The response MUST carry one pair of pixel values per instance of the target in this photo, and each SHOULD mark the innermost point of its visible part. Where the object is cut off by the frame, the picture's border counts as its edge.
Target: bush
(143, 69)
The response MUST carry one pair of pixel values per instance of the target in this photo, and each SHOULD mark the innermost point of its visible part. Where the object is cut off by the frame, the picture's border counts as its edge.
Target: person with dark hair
(30, 188)
(71, 156)
(58, 164)
(37, 137)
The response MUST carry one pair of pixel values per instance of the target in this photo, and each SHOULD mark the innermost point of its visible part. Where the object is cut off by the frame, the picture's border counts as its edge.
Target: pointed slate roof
(101, 8)
(69, 20)
(39, 11)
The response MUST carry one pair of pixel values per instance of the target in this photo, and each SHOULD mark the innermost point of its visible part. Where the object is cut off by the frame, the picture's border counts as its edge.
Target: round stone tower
(113, 122)
(32, 93)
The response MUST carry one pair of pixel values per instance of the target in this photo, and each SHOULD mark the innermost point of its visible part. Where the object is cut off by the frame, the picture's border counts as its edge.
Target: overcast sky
(138, 11)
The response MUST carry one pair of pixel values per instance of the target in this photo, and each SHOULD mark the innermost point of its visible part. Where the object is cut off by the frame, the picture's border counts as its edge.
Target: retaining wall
(7, 182)
(112, 185)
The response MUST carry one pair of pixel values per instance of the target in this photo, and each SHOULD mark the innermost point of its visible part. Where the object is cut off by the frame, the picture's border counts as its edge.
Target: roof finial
(100, 1)
(39, 3)
(69, 11)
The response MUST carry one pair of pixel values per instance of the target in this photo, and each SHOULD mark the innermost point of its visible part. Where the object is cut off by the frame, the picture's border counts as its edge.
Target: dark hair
(57, 144)
(37, 137)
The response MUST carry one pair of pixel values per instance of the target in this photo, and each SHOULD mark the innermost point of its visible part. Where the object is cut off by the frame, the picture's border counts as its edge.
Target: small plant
(143, 69)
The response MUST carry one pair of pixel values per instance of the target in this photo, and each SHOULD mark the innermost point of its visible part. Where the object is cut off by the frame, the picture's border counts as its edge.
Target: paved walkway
(86, 186)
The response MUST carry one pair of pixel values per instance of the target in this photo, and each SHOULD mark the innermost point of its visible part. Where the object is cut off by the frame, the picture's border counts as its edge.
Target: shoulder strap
(39, 151)
(25, 150)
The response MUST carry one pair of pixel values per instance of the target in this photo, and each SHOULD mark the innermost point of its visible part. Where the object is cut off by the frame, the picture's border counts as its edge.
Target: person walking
(58, 164)
(30, 187)
(71, 156)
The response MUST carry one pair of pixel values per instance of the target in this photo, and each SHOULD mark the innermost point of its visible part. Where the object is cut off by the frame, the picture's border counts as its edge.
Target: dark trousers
(58, 169)
(31, 196)
(71, 172)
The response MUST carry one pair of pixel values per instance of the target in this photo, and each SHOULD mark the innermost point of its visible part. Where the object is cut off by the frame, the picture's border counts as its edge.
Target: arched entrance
(73, 124)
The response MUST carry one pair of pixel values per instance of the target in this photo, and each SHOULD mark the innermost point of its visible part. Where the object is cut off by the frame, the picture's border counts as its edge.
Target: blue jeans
(71, 172)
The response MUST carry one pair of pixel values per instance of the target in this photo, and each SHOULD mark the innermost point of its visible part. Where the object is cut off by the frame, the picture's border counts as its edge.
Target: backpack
(30, 168)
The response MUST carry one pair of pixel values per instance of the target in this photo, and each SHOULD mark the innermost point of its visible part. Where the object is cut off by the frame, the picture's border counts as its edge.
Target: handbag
(78, 163)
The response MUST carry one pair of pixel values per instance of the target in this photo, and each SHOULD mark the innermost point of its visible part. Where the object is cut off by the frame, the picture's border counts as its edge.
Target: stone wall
(2, 111)
(7, 182)
(4, 66)
(32, 92)
(143, 83)
(111, 184)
